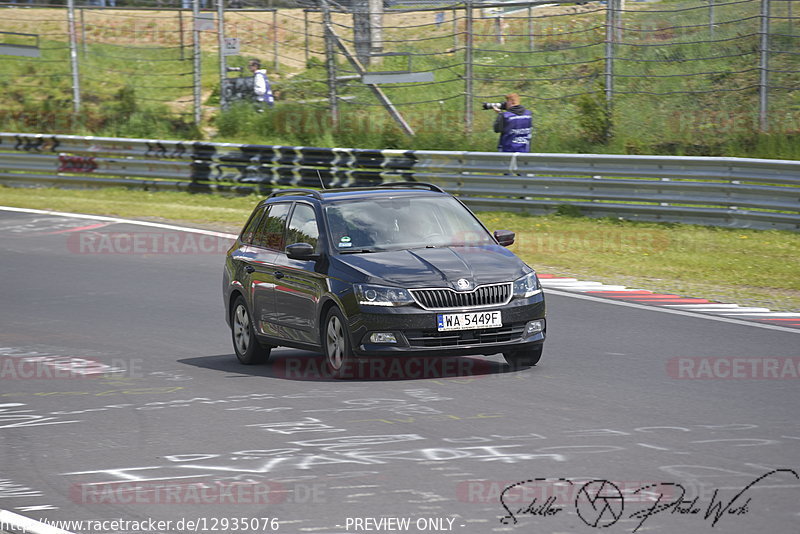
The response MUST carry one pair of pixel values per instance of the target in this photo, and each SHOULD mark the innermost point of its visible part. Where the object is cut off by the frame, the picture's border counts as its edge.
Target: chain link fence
(701, 65)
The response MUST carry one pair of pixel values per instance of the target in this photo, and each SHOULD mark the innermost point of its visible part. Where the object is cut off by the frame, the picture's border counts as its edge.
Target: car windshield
(402, 222)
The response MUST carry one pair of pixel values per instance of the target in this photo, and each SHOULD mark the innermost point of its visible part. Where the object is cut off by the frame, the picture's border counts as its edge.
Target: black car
(398, 269)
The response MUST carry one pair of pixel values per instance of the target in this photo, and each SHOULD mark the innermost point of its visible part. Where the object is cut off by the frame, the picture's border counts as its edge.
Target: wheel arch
(323, 313)
(235, 293)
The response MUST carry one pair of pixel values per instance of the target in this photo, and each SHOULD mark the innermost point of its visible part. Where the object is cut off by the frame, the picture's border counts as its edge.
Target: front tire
(336, 344)
(248, 350)
(518, 359)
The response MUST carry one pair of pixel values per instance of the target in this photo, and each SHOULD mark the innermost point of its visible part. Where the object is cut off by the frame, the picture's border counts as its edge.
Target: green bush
(594, 117)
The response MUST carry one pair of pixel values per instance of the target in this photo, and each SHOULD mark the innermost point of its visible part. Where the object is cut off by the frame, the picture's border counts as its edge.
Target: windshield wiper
(358, 251)
(421, 245)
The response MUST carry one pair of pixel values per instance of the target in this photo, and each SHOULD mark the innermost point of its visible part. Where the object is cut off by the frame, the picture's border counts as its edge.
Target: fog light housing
(534, 327)
(382, 337)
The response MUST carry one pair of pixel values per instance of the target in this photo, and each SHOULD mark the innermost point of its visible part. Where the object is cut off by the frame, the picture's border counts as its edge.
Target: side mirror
(504, 237)
(301, 251)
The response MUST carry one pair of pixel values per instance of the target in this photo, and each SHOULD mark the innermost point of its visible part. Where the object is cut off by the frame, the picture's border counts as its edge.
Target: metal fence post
(73, 56)
(198, 114)
(83, 35)
(498, 27)
(330, 64)
(711, 19)
(376, 13)
(530, 27)
(180, 32)
(223, 71)
(468, 44)
(455, 30)
(609, 74)
(763, 66)
(275, 38)
(305, 29)
(362, 26)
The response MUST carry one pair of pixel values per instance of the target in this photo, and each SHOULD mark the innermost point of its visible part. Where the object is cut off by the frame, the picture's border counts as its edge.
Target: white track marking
(702, 307)
(27, 524)
(724, 311)
(762, 314)
(120, 221)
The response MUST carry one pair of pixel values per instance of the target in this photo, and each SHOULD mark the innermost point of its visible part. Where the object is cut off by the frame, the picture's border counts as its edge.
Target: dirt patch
(299, 34)
(172, 29)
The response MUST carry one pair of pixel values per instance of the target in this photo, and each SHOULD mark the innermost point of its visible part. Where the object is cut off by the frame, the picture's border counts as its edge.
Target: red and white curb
(568, 287)
(669, 301)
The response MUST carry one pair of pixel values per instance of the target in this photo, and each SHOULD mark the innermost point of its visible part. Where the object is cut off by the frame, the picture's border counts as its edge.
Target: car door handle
(278, 275)
(249, 269)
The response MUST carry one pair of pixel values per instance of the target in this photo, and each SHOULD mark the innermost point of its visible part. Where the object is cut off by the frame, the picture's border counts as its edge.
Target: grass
(664, 103)
(754, 267)
(749, 267)
(228, 213)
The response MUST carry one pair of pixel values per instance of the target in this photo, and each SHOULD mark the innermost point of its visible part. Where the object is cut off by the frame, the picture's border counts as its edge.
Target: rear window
(270, 230)
(250, 229)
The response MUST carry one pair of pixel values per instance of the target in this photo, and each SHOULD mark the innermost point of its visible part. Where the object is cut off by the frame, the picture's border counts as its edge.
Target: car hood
(438, 267)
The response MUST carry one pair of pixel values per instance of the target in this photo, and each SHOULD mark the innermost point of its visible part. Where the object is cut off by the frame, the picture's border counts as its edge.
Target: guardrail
(738, 192)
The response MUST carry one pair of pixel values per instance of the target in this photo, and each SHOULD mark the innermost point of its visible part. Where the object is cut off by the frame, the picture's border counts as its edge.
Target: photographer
(514, 123)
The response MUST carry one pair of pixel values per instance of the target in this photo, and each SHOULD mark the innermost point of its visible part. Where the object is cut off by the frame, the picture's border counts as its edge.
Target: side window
(270, 231)
(303, 226)
(252, 224)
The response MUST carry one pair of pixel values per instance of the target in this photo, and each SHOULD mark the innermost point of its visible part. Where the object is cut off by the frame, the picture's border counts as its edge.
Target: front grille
(434, 338)
(449, 299)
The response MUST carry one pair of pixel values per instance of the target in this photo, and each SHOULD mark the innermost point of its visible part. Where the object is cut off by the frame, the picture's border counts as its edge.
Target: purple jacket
(515, 127)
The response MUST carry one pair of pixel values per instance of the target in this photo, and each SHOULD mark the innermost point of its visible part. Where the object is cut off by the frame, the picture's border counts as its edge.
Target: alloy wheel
(335, 342)
(241, 329)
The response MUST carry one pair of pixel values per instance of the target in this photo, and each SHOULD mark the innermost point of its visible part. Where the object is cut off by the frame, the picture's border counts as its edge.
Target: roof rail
(432, 187)
(311, 192)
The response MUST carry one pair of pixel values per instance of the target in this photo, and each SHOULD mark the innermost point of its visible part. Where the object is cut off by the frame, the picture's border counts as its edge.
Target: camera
(490, 105)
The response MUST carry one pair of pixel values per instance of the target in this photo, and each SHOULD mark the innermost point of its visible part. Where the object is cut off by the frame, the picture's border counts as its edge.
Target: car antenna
(320, 179)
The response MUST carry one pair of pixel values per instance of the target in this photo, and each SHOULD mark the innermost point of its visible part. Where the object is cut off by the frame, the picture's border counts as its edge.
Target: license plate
(468, 321)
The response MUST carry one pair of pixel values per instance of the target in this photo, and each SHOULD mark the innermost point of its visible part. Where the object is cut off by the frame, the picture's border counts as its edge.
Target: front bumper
(417, 335)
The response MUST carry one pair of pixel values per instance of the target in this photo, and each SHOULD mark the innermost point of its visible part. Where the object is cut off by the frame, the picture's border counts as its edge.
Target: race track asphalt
(630, 411)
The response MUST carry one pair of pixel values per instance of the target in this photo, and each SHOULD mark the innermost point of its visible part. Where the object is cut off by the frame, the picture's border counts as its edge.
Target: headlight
(527, 286)
(370, 295)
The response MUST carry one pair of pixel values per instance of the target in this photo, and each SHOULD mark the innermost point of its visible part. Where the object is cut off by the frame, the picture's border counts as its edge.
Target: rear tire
(518, 359)
(248, 350)
(336, 345)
